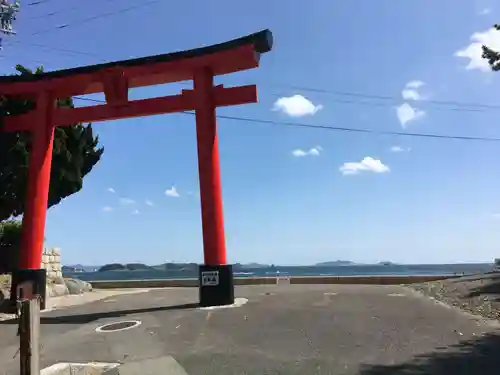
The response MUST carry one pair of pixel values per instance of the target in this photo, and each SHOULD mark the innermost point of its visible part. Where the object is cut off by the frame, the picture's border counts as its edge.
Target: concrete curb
(183, 283)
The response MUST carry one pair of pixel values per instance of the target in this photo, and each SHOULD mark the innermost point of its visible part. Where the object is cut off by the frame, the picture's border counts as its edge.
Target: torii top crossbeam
(115, 78)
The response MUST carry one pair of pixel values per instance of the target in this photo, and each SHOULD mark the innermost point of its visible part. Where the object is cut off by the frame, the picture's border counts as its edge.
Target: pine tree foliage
(76, 151)
(492, 56)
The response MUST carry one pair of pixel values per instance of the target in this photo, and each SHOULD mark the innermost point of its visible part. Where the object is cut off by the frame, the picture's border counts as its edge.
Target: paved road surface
(282, 329)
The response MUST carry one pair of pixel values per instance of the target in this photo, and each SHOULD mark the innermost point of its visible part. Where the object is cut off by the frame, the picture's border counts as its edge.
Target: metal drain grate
(118, 326)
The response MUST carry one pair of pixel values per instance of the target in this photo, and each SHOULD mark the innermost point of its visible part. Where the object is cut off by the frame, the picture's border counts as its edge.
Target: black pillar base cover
(39, 279)
(216, 285)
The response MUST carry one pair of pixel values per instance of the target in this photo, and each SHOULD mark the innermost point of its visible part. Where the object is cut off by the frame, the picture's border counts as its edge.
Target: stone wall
(51, 261)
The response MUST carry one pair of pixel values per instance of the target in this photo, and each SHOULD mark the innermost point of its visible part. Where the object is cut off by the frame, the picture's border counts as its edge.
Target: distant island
(144, 267)
(387, 264)
(253, 265)
(78, 268)
(172, 267)
(335, 263)
(124, 267)
(193, 267)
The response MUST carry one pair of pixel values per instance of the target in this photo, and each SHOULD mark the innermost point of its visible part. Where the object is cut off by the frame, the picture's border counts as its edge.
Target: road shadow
(90, 317)
(480, 356)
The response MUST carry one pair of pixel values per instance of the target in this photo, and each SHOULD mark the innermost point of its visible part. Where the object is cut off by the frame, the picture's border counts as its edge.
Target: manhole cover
(118, 326)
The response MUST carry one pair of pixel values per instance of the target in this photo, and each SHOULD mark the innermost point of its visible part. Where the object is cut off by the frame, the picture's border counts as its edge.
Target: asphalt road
(282, 329)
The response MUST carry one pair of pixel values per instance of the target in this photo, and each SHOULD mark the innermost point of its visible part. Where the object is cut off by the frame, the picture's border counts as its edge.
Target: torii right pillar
(216, 282)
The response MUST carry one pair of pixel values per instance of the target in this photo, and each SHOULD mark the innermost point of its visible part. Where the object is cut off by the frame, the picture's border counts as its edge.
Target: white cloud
(107, 209)
(126, 201)
(415, 84)
(172, 192)
(368, 164)
(399, 149)
(484, 11)
(135, 212)
(149, 203)
(473, 51)
(315, 151)
(296, 106)
(111, 190)
(407, 113)
(410, 91)
(408, 94)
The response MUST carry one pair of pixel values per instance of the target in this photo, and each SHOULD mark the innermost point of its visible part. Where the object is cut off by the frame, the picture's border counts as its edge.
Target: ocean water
(356, 270)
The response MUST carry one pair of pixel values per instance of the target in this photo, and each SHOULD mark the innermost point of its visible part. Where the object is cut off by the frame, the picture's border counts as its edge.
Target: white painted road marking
(396, 295)
(237, 303)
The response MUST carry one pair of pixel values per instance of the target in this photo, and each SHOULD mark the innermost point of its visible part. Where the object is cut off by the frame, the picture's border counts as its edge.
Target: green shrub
(10, 242)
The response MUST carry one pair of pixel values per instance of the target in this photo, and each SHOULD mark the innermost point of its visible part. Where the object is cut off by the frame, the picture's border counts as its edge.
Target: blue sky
(362, 197)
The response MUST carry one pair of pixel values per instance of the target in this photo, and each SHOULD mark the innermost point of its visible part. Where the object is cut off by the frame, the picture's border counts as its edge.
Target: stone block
(92, 368)
(56, 251)
(76, 286)
(57, 290)
(4, 297)
(58, 280)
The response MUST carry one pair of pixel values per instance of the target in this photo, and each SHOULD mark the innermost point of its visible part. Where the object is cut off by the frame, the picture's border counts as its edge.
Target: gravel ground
(477, 294)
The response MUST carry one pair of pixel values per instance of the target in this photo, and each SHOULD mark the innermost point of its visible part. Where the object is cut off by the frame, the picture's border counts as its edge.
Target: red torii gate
(115, 79)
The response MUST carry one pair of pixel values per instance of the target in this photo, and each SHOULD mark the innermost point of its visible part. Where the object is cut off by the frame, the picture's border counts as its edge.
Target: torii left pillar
(37, 193)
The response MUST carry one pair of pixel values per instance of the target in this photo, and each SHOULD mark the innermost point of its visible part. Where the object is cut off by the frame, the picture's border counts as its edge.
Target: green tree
(10, 238)
(75, 153)
(492, 56)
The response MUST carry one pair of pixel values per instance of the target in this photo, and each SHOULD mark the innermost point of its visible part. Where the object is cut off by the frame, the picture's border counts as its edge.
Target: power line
(293, 87)
(385, 105)
(95, 17)
(356, 130)
(54, 12)
(388, 97)
(64, 50)
(375, 104)
(333, 128)
(459, 106)
(72, 51)
(38, 2)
